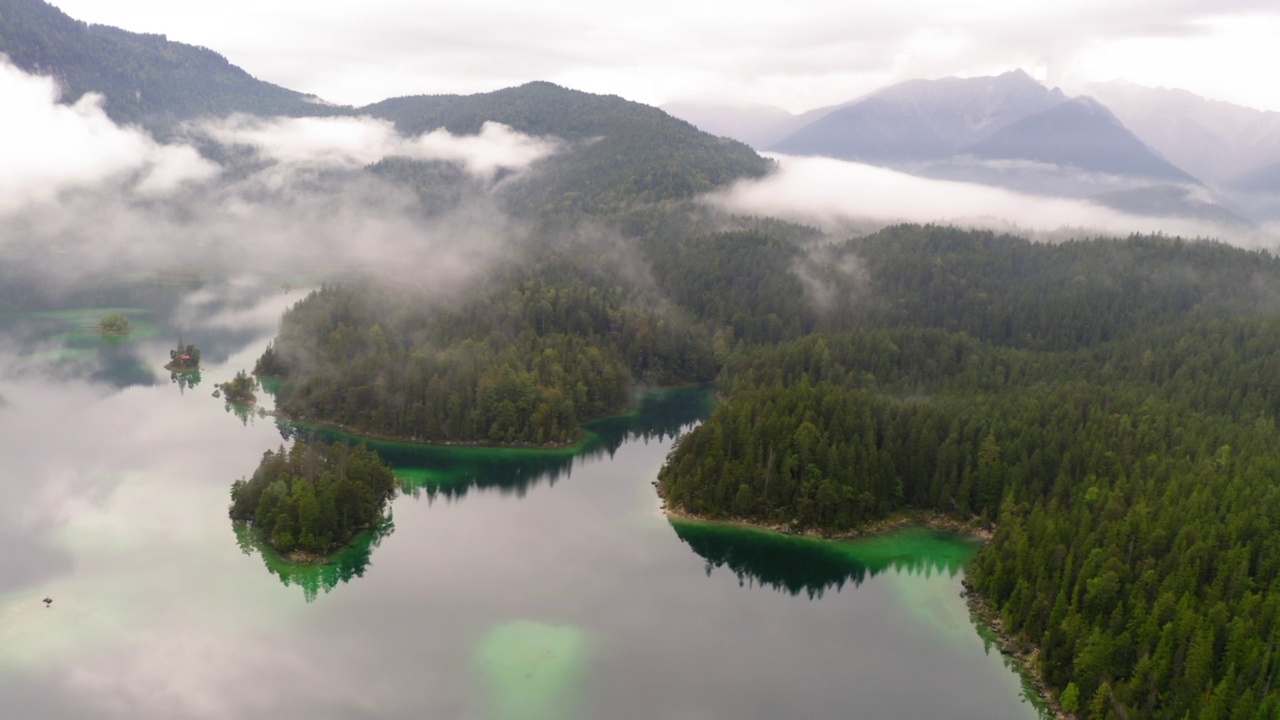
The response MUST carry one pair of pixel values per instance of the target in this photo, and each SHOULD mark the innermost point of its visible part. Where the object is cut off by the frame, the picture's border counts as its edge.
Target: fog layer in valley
(80, 194)
(836, 194)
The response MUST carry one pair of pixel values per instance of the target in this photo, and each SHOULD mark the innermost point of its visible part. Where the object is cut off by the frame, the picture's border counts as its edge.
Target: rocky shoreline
(924, 518)
(1025, 655)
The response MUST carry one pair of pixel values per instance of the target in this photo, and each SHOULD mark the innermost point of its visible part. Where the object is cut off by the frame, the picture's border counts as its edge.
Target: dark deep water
(507, 585)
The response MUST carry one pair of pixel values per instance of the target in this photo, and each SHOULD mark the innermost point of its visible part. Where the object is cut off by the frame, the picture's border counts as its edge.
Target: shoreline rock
(1026, 655)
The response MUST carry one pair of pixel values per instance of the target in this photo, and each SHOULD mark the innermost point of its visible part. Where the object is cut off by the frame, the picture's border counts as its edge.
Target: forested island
(114, 324)
(239, 390)
(184, 358)
(314, 498)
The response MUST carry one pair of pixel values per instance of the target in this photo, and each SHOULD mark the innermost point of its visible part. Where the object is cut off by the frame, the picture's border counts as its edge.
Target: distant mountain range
(921, 119)
(1150, 155)
(619, 153)
(1222, 144)
(1007, 117)
(623, 152)
(1078, 133)
(1009, 130)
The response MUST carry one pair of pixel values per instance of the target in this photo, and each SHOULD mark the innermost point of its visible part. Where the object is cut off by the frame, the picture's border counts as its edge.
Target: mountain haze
(1080, 133)
(621, 153)
(759, 126)
(1264, 180)
(615, 153)
(921, 119)
(1216, 141)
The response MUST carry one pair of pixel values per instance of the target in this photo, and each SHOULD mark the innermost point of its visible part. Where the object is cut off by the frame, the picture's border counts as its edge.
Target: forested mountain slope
(616, 154)
(619, 154)
(524, 359)
(146, 79)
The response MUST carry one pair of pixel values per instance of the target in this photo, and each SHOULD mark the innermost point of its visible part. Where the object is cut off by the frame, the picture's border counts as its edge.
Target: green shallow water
(513, 583)
(801, 564)
(532, 671)
(453, 470)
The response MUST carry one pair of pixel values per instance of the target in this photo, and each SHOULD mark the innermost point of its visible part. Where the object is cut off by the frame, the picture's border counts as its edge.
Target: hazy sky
(797, 54)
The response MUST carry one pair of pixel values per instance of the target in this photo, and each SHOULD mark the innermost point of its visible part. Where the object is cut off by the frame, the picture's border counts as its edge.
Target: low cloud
(799, 55)
(80, 194)
(837, 195)
(353, 142)
(49, 148)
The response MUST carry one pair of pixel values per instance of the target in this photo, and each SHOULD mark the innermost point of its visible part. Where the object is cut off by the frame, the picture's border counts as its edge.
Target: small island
(311, 500)
(114, 324)
(239, 390)
(184, 358)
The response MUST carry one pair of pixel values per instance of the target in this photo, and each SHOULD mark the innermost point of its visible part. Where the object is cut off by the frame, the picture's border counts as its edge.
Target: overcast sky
(797, 54)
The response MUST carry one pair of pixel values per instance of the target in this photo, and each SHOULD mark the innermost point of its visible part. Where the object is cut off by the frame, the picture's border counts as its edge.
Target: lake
(508, 584)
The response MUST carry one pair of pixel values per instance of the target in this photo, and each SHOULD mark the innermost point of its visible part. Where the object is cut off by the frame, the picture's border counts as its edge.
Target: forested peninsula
(542, 350)
(1109, 406)
(313, 498)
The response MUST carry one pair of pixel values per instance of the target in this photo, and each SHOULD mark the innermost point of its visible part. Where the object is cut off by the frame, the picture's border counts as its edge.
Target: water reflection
(185, 379)
(452, 471)
(798, 564)
(52, 327)
(248, 414)
(349, 562)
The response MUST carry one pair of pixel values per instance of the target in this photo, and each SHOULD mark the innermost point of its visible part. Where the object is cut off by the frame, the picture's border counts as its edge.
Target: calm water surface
(508, 585)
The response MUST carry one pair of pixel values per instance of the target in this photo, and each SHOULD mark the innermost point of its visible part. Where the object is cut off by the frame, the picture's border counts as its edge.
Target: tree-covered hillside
(621, 153)
(1006, 290)
(1109, 407)
(616, 154)
(146, 79)
(523, 359)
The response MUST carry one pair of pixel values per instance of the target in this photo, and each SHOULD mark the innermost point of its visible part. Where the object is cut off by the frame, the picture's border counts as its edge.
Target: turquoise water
(507, 584)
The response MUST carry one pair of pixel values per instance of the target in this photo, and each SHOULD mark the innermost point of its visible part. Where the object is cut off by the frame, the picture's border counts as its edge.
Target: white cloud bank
(351, 142)
(798, 55)
(833, 193)
(47, 147)
(79, 193)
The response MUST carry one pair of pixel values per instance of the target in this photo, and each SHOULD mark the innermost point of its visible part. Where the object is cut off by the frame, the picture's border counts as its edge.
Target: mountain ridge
(921, 119)
(1214, 140)
(145, 78)
(1086, 135)
(623, 152)
(618, 153)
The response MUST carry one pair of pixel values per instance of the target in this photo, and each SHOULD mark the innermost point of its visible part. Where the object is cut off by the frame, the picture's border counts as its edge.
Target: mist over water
(82, 195)
(506, 579)
(506, 583)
